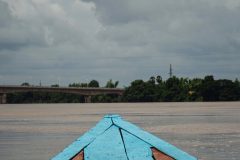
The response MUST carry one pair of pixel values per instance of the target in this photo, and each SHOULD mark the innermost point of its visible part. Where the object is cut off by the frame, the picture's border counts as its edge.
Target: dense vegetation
(155, 89)
(182, 89)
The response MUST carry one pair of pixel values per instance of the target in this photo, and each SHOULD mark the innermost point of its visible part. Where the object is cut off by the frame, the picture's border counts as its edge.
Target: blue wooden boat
(116, 139)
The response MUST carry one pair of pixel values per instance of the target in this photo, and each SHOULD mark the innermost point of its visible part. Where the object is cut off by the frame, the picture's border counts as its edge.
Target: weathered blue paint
(106, 146)
(114, 138)
(136, 148)
(153, 141)
(84, 140)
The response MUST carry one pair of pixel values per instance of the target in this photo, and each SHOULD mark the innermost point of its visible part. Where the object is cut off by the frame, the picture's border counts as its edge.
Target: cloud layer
(68, 41)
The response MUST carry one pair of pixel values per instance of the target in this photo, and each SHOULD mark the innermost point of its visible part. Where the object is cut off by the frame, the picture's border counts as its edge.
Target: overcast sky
(65, 41)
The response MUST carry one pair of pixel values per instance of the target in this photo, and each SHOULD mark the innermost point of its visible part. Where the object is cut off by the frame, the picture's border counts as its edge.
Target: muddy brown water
(209, 131)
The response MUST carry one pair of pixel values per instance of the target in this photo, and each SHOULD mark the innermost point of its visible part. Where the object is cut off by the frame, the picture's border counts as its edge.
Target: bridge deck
(4, 89)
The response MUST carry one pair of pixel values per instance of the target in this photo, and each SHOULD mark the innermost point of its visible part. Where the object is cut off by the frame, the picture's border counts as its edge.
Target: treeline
(155, 89)
(177, 89)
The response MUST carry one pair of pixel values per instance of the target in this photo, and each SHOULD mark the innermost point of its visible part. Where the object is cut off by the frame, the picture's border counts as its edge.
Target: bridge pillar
(3, 98)
(87, 99)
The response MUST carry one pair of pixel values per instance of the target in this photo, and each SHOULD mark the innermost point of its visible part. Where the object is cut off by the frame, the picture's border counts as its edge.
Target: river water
(209, 131)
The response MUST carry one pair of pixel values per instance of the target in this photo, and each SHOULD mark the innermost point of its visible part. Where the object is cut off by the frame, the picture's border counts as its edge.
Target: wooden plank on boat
(114, 138)
(108, 146)
(152, 140)
(159, 155)
(84, 140)
(79, 156)
(136, 148)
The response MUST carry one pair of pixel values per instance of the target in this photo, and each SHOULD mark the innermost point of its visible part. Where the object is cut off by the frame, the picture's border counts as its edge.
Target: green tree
(176, 89)
(74, 85)
(140, 91)
(194, 92)
(159, 79)
(78, 85)
(25, 84)
(209, 89)
(93, 83)
(227, 90)
(111, 84)
(152, 80)
(55, 85)
(135, 92)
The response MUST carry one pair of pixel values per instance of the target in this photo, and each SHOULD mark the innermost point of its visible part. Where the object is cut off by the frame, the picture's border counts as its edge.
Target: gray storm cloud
(101, 39)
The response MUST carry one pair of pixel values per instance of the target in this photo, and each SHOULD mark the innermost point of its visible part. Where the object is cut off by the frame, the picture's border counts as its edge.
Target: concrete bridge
(86, 92)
